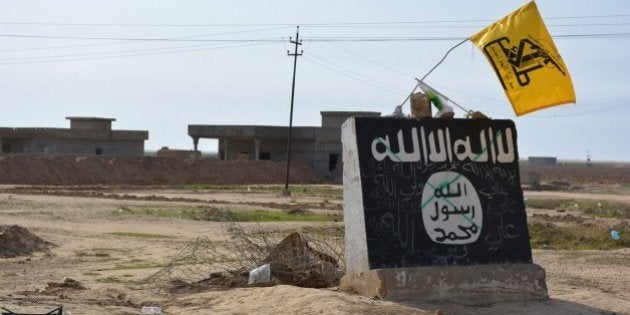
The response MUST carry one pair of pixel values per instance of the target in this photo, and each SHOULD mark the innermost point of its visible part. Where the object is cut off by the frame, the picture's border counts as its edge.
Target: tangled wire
(315, 260)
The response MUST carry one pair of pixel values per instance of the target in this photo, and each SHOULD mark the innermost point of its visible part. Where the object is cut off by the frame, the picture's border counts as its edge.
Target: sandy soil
(108, 264)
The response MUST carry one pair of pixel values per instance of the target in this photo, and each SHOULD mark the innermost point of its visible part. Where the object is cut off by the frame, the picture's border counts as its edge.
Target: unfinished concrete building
(86, 136)
(320, 147)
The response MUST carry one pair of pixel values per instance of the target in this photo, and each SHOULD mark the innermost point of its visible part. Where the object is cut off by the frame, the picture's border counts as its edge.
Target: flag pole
(426, 75)
(443, 58)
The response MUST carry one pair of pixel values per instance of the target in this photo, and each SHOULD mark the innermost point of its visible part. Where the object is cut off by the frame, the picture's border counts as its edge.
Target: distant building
(542, 160)
(86, 136)
(320, 147)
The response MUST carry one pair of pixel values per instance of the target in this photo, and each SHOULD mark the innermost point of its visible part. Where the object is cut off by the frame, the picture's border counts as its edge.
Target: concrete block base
(467, 285)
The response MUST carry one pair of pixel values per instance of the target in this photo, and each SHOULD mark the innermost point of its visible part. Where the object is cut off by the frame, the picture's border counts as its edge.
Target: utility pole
(295, 54)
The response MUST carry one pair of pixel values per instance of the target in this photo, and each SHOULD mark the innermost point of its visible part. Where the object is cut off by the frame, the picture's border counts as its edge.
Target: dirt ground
(95, 246)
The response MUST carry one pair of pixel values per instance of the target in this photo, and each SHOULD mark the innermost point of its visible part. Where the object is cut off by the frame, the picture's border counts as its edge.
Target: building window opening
(264, 156)
(333, 161)
(98, 151)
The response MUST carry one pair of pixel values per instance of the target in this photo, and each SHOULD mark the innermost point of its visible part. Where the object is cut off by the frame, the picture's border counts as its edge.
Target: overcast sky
(161, 65)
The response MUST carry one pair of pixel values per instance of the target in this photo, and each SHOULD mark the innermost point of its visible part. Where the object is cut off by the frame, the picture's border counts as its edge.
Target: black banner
(441, 192)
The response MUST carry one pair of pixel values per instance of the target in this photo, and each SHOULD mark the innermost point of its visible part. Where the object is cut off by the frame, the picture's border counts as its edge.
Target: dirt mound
(222, 280)
(18, 241)
(55, 288)
(90, 170)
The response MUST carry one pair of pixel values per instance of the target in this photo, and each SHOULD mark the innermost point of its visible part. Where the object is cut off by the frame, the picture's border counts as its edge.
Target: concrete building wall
(323, 156)
(102, 126)
(329, 164)
(328, 134)
(320, 147)
(277, 150)
(86, 135)
(327, 158)
(268, 149)
(237, 149)
(73, 146)
(60, 133)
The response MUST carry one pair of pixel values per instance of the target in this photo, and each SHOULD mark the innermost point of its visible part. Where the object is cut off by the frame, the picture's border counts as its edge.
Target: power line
(353, 77)
(355, 73)
(142, 54)
(330, 40)
(442, 26)
(177, 49)
(589, 113)
(595, 109)
(601, 35)
(452, 38)
(128, 42)
(588, 24)
(588, 16)
(302, 24)
(403, 74)
(140, 38)
(321, 39)
(111, 52)
(407, 75)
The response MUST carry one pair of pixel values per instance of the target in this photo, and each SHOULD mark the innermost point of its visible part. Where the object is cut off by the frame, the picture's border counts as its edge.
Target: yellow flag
(526, 60)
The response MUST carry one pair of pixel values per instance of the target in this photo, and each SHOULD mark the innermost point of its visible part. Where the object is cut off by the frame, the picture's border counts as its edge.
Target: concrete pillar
(195, 143)
(257, 148)
(226, 155)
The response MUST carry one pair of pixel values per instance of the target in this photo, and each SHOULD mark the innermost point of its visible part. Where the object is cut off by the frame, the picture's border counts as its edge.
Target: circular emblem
(451, 210)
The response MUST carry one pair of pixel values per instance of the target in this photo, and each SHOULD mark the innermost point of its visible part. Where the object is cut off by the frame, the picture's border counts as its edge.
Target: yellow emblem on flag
(526, 60)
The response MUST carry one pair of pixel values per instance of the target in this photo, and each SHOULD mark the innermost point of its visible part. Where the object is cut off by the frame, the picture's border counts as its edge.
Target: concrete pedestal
(468, 285)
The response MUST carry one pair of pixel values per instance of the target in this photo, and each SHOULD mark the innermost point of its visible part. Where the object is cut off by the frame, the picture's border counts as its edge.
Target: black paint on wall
(396, 192)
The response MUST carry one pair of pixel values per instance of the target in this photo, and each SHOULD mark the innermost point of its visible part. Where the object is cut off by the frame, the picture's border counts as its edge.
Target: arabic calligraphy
(468, 231)
(438, 146)
(451, 209)
(439, 192)
(446, 213)
(523, 58)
